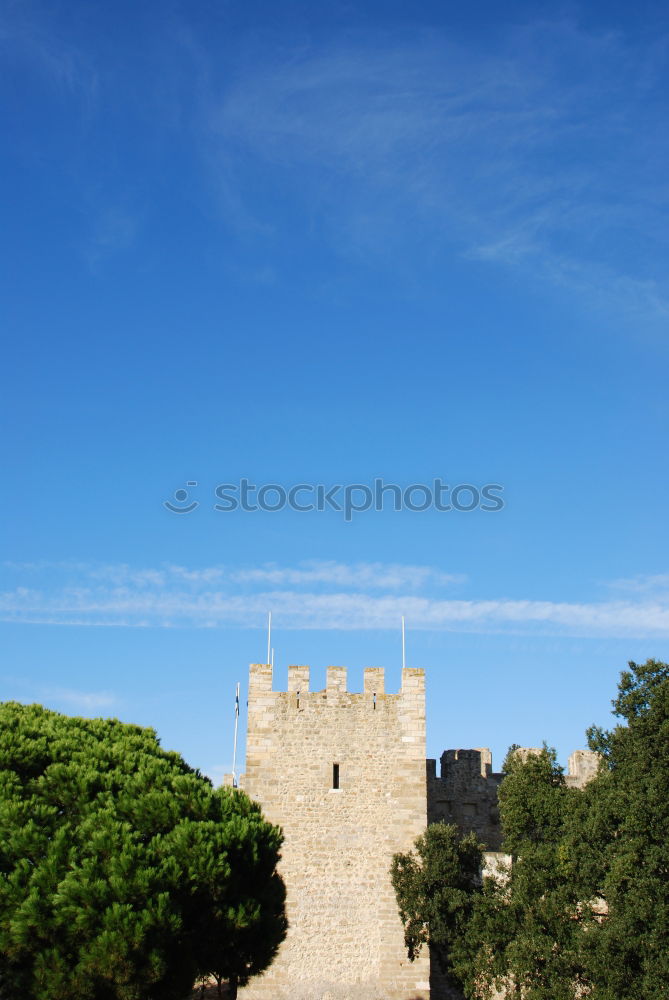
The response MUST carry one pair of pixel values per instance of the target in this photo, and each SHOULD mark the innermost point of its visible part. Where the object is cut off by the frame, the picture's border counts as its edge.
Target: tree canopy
(621, 841)
(124, 875)
(539, 947)
(583, 909)
(436, 888)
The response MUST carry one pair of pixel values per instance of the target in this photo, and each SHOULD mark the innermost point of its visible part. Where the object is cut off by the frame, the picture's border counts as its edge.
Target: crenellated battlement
(298, 679)
(465, 793)
(466, 790)
(476, 762)
(261, 681)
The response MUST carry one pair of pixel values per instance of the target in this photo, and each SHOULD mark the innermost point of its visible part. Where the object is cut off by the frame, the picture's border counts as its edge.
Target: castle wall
(466, 790)
(345, 939)
(465, 793)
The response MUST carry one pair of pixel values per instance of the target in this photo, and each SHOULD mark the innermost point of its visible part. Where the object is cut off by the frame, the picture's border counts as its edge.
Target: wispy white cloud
(386, 576)
(356, 596)
(29, 33)
(545, 155)
(366, 575)
(653, 584)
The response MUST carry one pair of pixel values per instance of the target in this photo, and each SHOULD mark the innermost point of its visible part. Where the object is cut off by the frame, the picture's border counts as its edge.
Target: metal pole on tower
(234, 748)
(269, 636)
(404, 659)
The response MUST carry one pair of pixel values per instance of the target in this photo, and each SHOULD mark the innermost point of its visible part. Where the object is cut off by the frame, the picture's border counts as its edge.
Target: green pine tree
(124, 875)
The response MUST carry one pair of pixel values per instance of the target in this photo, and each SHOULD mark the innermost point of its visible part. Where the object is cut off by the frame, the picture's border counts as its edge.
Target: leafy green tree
(543, 916)
(123, 873)
(518, 929)
(621, 842)
(584, 908)
(436, 887)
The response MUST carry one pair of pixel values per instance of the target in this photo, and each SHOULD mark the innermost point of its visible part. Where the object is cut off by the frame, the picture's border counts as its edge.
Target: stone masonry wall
(345, 940)
(465, 793)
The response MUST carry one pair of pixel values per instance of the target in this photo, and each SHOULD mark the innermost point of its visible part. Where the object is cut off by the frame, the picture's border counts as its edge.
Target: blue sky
(325, 243)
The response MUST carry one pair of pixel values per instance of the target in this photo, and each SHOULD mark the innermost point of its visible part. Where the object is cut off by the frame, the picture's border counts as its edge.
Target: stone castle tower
(344, 775)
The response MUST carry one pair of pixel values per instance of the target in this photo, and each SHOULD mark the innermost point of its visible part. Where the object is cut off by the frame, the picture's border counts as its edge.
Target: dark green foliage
(623, 842)
(517, 929)
(123, 873)
(542, 915)
(435, 888)
(584, 909)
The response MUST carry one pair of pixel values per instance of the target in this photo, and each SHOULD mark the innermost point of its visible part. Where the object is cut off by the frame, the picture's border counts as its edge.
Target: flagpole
(404, 659)
(269, 636)
(234, 749)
